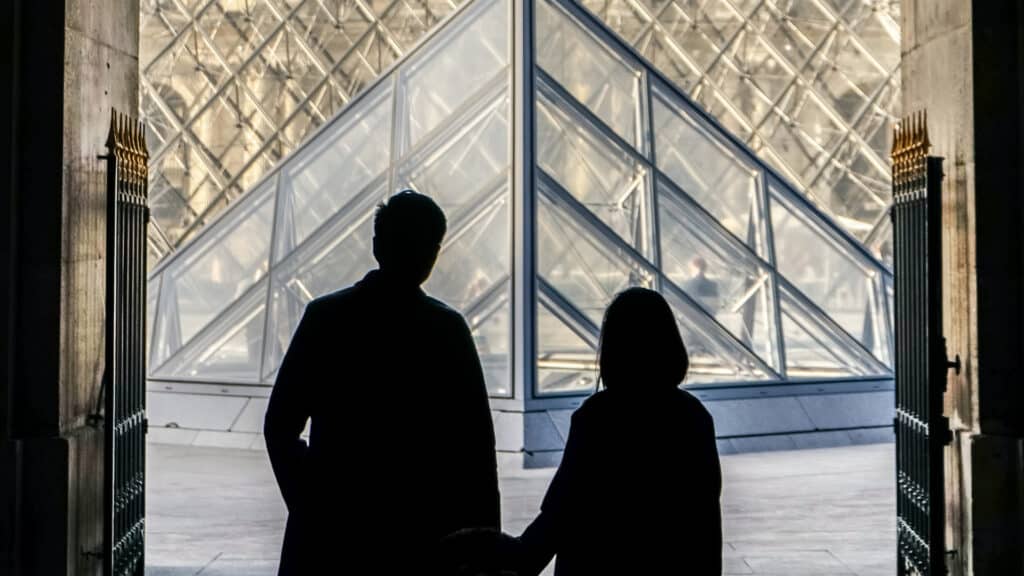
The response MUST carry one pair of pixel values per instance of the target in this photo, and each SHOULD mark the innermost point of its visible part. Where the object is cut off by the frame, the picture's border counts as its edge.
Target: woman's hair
(640, 342)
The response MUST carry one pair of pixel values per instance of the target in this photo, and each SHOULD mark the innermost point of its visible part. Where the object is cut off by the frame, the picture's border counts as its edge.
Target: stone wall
(69, 64)
(961, 62)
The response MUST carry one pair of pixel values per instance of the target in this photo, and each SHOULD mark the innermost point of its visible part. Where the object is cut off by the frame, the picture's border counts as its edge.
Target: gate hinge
(95, 553)
(145, 426)
(954, 364)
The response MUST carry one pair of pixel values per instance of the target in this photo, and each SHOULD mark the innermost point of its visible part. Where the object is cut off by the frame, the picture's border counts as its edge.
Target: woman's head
(640, 342)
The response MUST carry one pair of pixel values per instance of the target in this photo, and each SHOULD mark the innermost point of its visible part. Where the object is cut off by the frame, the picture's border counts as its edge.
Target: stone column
(962, 61)
(69, 63)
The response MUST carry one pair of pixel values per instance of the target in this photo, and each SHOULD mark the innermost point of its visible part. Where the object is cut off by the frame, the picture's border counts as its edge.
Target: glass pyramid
(229, 87)
(569, 169)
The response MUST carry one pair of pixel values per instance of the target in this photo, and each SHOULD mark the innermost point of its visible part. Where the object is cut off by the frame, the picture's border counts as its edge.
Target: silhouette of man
(401, 442)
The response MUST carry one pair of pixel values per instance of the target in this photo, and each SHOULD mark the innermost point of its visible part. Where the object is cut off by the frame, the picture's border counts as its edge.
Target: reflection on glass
(230, 351)
(491, 323)
(566, 357)
(585, 269)
(474, 258)
(718, 273)
(464, 162)
(611, 183)
(473, 276)
(831, 275)
(838, 59)
(707, 170)
(152, 297)
(453, 68)
(325, 175)
(589, 70)
(816, 350)
(714, 357)
(334, 259)
(218, 270)
(231, 86)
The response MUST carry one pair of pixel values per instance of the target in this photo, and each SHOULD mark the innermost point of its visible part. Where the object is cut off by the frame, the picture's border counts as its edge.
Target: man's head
(407, 234)
(699, 266)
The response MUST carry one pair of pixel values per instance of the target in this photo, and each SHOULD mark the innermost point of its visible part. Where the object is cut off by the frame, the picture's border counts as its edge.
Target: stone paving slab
(826, 512)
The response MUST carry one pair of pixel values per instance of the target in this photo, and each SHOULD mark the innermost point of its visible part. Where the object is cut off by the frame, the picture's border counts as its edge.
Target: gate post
(922, 431)
(125, 371)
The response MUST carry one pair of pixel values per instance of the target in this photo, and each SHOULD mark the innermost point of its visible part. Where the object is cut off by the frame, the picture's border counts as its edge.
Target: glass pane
(464, 162)
(814, 350)
(453, 68)
(491, 323)
(719, 274)
(609, 182)
(230, 350)
(334, 168)
(566, 362)
(152, 297)
(586, 270)
(215, 272)
(707, 170)
(475, 257)
(589, 71)
(473, 276)
(714, 357)
(337, 257)
(830, 272)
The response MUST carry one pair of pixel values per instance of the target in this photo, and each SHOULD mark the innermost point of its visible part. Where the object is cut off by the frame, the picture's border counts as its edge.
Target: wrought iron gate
(124, 385)
(921, 430)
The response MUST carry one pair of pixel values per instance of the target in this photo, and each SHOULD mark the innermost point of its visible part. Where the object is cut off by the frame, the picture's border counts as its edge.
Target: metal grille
(125, 398)
(921, 429)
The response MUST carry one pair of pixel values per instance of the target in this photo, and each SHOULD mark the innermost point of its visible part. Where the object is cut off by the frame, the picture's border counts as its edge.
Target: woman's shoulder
(674, 400)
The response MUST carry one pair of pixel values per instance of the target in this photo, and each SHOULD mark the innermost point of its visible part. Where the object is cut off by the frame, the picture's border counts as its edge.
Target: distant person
(699, 286)
(401, 442)
(638, 488)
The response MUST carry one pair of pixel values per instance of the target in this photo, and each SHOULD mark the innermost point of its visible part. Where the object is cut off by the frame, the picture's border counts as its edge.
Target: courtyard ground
(825, 512)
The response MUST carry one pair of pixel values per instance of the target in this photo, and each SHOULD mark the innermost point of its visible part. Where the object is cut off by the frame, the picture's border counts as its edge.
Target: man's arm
(473, 436)
(289, 409)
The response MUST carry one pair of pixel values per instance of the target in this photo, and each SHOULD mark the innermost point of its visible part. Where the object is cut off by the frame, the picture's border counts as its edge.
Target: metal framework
(810, 85)
(230, 87)
(570, 169)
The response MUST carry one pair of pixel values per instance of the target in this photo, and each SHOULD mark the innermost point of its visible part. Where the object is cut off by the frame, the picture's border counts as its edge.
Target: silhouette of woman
(638, 488)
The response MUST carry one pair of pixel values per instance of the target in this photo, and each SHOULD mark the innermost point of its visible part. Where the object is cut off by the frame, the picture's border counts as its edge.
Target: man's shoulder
(338, 300)
(354, 296)
(439, 307)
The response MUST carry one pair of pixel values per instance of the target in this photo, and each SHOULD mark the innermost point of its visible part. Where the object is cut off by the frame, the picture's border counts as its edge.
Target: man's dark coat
(401, 442)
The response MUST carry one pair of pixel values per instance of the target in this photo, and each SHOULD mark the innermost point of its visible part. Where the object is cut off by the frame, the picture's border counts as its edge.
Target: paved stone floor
(217, 512)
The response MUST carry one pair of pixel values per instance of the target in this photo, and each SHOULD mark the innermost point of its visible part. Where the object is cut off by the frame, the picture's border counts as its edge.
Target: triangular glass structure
(815, 348)
(624, 182)
(566, 347)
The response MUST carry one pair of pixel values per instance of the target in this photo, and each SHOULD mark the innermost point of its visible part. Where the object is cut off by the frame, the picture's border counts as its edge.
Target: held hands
(479, 552)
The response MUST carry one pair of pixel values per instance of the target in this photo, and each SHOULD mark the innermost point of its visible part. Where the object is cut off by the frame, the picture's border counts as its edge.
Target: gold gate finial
(910, 145)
